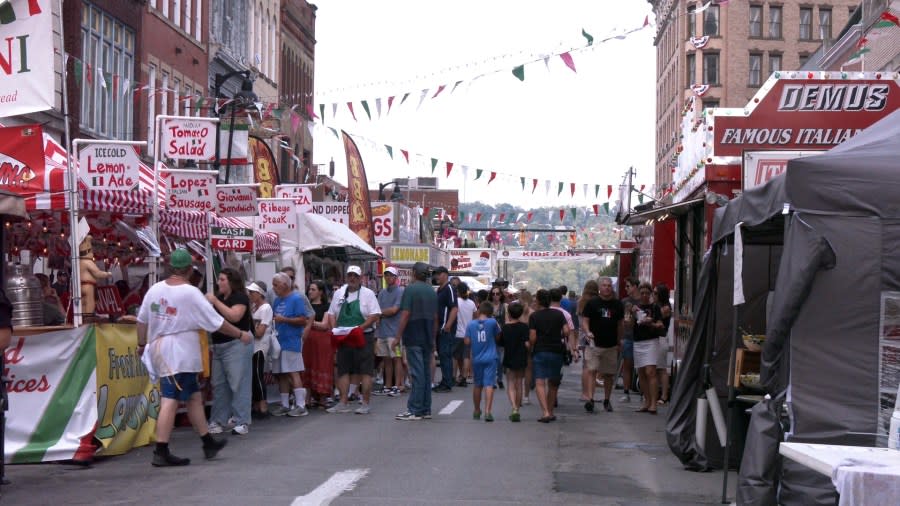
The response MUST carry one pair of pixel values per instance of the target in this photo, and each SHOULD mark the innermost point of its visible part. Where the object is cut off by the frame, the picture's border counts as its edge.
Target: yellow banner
(127, 403)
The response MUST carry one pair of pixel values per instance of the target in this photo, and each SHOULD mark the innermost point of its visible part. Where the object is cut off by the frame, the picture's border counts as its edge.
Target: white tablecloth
(861, 475)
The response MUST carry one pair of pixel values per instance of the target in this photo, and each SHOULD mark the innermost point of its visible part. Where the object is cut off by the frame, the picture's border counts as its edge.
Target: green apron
(350, 315)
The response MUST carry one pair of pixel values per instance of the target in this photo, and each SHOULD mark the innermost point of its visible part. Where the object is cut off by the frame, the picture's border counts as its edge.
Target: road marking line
(450, 407)
(340, 482)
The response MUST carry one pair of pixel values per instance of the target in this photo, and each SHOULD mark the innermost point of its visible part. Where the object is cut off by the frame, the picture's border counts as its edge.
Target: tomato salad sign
(236, 200)
(193, 139)
(190, 190)
(109, 166)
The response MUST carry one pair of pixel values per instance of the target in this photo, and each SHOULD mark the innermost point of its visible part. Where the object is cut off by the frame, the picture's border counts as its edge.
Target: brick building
(295, 82)
(724, 54)
(868, 42)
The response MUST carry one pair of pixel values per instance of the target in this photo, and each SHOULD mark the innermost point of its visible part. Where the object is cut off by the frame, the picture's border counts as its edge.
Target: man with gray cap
(389, 299)
(446, 333)
(418, 320)
(354, 305)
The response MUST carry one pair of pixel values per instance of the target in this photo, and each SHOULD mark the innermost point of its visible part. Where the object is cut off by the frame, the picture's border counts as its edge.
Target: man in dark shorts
(354, 305)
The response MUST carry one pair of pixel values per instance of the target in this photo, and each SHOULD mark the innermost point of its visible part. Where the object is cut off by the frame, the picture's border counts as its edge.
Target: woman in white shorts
(648, 325)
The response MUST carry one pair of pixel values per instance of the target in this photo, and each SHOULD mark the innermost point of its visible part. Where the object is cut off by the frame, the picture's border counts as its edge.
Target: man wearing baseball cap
(418, 314)
(446, 335)
(354, 305)
(389, 301)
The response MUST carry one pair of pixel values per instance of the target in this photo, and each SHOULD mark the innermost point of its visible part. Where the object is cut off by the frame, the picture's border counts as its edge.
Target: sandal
(545, 419)
(642, 410)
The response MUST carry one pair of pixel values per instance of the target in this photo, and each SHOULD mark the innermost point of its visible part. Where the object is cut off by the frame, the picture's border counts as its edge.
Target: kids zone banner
(26, 60)
(69, 387)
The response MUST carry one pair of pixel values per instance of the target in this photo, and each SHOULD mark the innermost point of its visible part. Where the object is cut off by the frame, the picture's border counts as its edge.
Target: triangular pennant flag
(334, 107)
(550, 216)
(519, 72)
(322, 111)
(455, 86)
(390, 151)
(596, 191)
(533, 185)
(522, 179)
(589, 37)
(559, 191)
(433, 164)
(101, 79)
(519, 217)
(606, 207)
(465, 172)
(640, 198)
(502, 217)
(390, 103)
(334, 131)
(366, 108)
(449, 168)
(405, 154)
(574, 213)
(79, 70)
(422, 98)
(596, 209)
(478, 217)
(478, 173)
(609, 191)
(647, 20)
(547, 187)
(887, 16)
(350, 106)
(126, 86)
(310, 112)
(562, 214)
(439, 90)
(89, 74)
(547, 62)
(567, 59)
(572, 189)
(462, 216)
(378, 106)
(405, 96)
(493, 176)
(530, 216)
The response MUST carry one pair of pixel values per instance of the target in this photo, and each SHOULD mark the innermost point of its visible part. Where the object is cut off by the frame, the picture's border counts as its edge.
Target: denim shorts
(180, 386)
(628, 349)
(484, 374)
(547, 365)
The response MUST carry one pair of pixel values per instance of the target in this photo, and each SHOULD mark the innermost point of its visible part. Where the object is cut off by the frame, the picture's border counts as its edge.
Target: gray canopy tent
(839, 269)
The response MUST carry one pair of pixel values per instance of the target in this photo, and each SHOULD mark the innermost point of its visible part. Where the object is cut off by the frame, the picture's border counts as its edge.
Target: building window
(803, 59)
(711, 103)
(710, 68)
(756, 20)
(775, 22)
(176, 12)
(806, 23)
(198, 19)
(711, 21)
(151, 109)
(107, 48)
(164, 96)
(691, 69)
(755, 78)
(774, 63)
(824, 24)
(691, 21)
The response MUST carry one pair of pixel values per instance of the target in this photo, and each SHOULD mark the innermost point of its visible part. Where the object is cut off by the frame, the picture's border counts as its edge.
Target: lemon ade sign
(109, 167)
(231, 239)
(193, 139)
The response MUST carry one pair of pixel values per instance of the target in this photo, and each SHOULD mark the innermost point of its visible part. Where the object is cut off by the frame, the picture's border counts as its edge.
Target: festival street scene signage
(190, 190)
(231, 239)
(482, 261)
(109, 166)
(265, 170)
(236, 200)
(300, 193)
(804, 114)
(193, 139)
(22, 160)
(338, 212)
(277, 215)
(26, 60)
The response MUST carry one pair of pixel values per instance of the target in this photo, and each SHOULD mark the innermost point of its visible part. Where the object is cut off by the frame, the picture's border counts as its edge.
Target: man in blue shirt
(482, 334)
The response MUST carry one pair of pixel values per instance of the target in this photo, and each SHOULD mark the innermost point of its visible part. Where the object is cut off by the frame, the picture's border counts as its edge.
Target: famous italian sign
(190, 190)
(803, 113)
(188, 139)
(109, 166)
(26, 59)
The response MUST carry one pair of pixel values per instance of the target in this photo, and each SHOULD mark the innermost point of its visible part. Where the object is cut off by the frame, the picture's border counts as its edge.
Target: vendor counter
(74, 390)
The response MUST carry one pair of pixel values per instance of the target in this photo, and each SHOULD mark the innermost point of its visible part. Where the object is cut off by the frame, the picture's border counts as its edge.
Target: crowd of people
(336, 353)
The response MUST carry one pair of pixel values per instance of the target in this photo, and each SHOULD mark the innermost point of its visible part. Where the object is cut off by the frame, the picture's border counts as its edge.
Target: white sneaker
(339, 408)
(625, 398)
(278, 410)
(241, 430)
(362, 410)
(215, 428)
(298, 411)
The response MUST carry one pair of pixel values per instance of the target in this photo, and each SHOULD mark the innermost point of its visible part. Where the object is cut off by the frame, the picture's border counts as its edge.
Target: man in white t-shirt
(464, 314)
(171, 316)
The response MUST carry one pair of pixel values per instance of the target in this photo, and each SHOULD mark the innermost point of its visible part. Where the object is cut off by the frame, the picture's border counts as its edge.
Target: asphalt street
(617, 458)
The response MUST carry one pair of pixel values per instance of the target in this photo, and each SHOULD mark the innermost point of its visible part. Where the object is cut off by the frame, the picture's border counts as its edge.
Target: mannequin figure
(90, 273)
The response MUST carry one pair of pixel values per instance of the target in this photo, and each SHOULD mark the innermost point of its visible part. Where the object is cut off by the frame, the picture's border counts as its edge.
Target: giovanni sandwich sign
(26, 60)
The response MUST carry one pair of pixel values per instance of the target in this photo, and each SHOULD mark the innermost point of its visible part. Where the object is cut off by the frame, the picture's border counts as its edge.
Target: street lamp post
(245, 96)
(396, 195)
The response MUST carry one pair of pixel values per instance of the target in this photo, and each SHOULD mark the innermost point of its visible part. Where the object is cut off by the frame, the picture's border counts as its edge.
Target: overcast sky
(578, 127)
